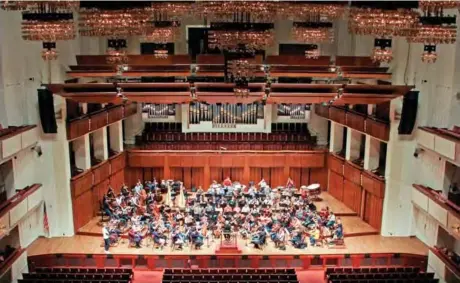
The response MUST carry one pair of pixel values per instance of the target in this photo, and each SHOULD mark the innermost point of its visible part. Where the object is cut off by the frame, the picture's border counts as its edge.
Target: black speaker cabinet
(46, 109)
(409, 113)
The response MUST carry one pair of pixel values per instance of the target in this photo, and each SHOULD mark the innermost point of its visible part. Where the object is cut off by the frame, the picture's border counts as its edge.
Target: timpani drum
(313, 191)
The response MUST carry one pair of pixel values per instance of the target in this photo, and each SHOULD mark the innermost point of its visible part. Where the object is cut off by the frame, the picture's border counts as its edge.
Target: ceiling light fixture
(382, 50)
(312, 32)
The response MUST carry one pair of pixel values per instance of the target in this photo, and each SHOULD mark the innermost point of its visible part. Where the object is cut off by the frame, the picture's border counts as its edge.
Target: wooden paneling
(81, 183)
(352, 172)
(98, 193)
(355, 121)
(373, 209)
(117, 180)
(77, 128)
(319, 175)
(322, 110)
(82, 209)
(337, 114)
(115, 114)
(335, 186)
(101, 172)
(352, 196)
(301, 176)
(335, 164)
(373, 184)
(377, 129)
(99, 120)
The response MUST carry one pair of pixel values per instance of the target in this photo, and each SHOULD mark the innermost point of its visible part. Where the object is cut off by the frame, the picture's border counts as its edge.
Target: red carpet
(147, 276)
(310, 276)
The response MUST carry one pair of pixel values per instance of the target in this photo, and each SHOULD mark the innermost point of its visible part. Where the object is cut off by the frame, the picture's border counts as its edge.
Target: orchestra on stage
(165, 213)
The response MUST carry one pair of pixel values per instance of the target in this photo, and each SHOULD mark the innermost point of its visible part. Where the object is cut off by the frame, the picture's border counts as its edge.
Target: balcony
(442, 210)
(88, 123)
(370, 125)
(15, 208)
(444, 266)
(15, 139)
(442, 141)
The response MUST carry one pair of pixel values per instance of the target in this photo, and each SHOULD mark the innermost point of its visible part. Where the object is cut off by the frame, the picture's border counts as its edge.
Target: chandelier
(434, 34)
(382, 23)
(116, 52)
(121, 22)
(233, 36)
(308, 11)
(429, 54)
(312, 52)
(253, 11)
(241, 88)
(313, 32)
(241, 68)
(382, 51)
(162, 32)
(21, 5)
(160, 54)
(171, 10)
(49, 51)
(436, 5)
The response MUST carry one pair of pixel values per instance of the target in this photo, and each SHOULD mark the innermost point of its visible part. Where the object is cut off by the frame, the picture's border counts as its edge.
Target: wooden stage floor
(352, 224)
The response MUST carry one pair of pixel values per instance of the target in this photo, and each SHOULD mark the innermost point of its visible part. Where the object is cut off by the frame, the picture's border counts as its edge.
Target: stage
(352, 224)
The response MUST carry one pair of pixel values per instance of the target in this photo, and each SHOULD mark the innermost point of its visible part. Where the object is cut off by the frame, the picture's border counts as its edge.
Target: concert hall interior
(247, 141)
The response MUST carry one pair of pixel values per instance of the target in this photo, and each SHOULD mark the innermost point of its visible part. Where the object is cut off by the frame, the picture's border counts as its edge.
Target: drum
(313, 191)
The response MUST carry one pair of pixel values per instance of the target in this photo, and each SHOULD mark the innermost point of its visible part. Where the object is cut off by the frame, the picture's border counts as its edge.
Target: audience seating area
(379, 275)
(230, 275)
(78, 275)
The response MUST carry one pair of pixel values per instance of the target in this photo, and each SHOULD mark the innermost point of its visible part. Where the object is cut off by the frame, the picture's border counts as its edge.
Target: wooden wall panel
(82, 211)
(186, 177)
(98, 194)
(296, 175)
(335, 185)
(117, 180)
(319, 175)
(277, 177)
(352, 173)
(197, 177)
(236, 174)
(352, 195)
(305, 177)
(177, 173)
(157, 173)
(147, 174)
(101, 172)
(132, 174)
(255, 174)
(335, 164)
(373, 209)
(117, 162)
(81, 183)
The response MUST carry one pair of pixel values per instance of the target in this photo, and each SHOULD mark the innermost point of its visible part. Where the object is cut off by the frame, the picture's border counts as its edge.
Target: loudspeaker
(46, 108)
(409, 113)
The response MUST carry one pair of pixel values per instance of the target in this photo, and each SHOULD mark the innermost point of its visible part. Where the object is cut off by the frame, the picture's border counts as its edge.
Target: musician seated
(314, 237)
(330, 220)
(259, 238)
(158, 239)
(298, 241)
(227, 230)
(135, 237)
(197, 238)
(177, 239)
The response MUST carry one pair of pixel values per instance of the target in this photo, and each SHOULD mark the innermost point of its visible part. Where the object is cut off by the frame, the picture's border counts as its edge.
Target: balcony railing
(88, 123)
(366, 124)
(15, 208)
(15, 139)
(442, 141)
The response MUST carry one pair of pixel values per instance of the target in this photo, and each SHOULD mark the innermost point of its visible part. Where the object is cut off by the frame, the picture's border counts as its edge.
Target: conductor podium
(228, 244)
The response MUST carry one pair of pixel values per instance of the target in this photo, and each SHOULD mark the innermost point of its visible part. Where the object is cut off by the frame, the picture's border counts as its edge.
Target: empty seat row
(227, 146)
(395, 275)
(425, 280)
(70, 281)
(82, 270)
(235, 281)
(230, 271)
(330, 270)
(91, 276)
(232, 277)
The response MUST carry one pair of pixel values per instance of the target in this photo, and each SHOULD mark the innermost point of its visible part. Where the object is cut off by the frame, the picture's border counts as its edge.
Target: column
(319, 126)
(82, 154)
(372, 153)
(134, 125)
(100, 145)
(116, 136)
(336, 138)
(353, 144)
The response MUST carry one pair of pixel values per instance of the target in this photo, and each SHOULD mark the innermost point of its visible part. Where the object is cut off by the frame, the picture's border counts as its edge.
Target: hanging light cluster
(299, 11)
(429, 54)
(116, 52)
(434, 6)
(382, 51)
(312, 32)
(48, 22)
(254, 11)
(312, 52)
(22, 5)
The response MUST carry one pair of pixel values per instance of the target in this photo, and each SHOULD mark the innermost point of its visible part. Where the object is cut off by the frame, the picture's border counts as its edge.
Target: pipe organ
(225, 115)
(294, 111)
(154, 110)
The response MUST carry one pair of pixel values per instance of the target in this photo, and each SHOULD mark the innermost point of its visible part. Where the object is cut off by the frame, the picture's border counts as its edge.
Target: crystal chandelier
(232, 36)
(438, 5)
(241, 68)
(21, 5)
(241, 88)
(434, 34)
(49, 51)
(162, 32)
(254, 11)
(160, 54)
(429, 54)
(382, 51)
(312, 52)
(312, 32)
(114, 23)
(116, 52)
(303, 11)
(382, 23)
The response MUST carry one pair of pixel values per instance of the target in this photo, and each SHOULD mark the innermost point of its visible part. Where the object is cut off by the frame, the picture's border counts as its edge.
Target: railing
(14, 139)
(449, 263)
(82, 125)
(442, 141)
(366, 124)
(10, 260)
(17, 206)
